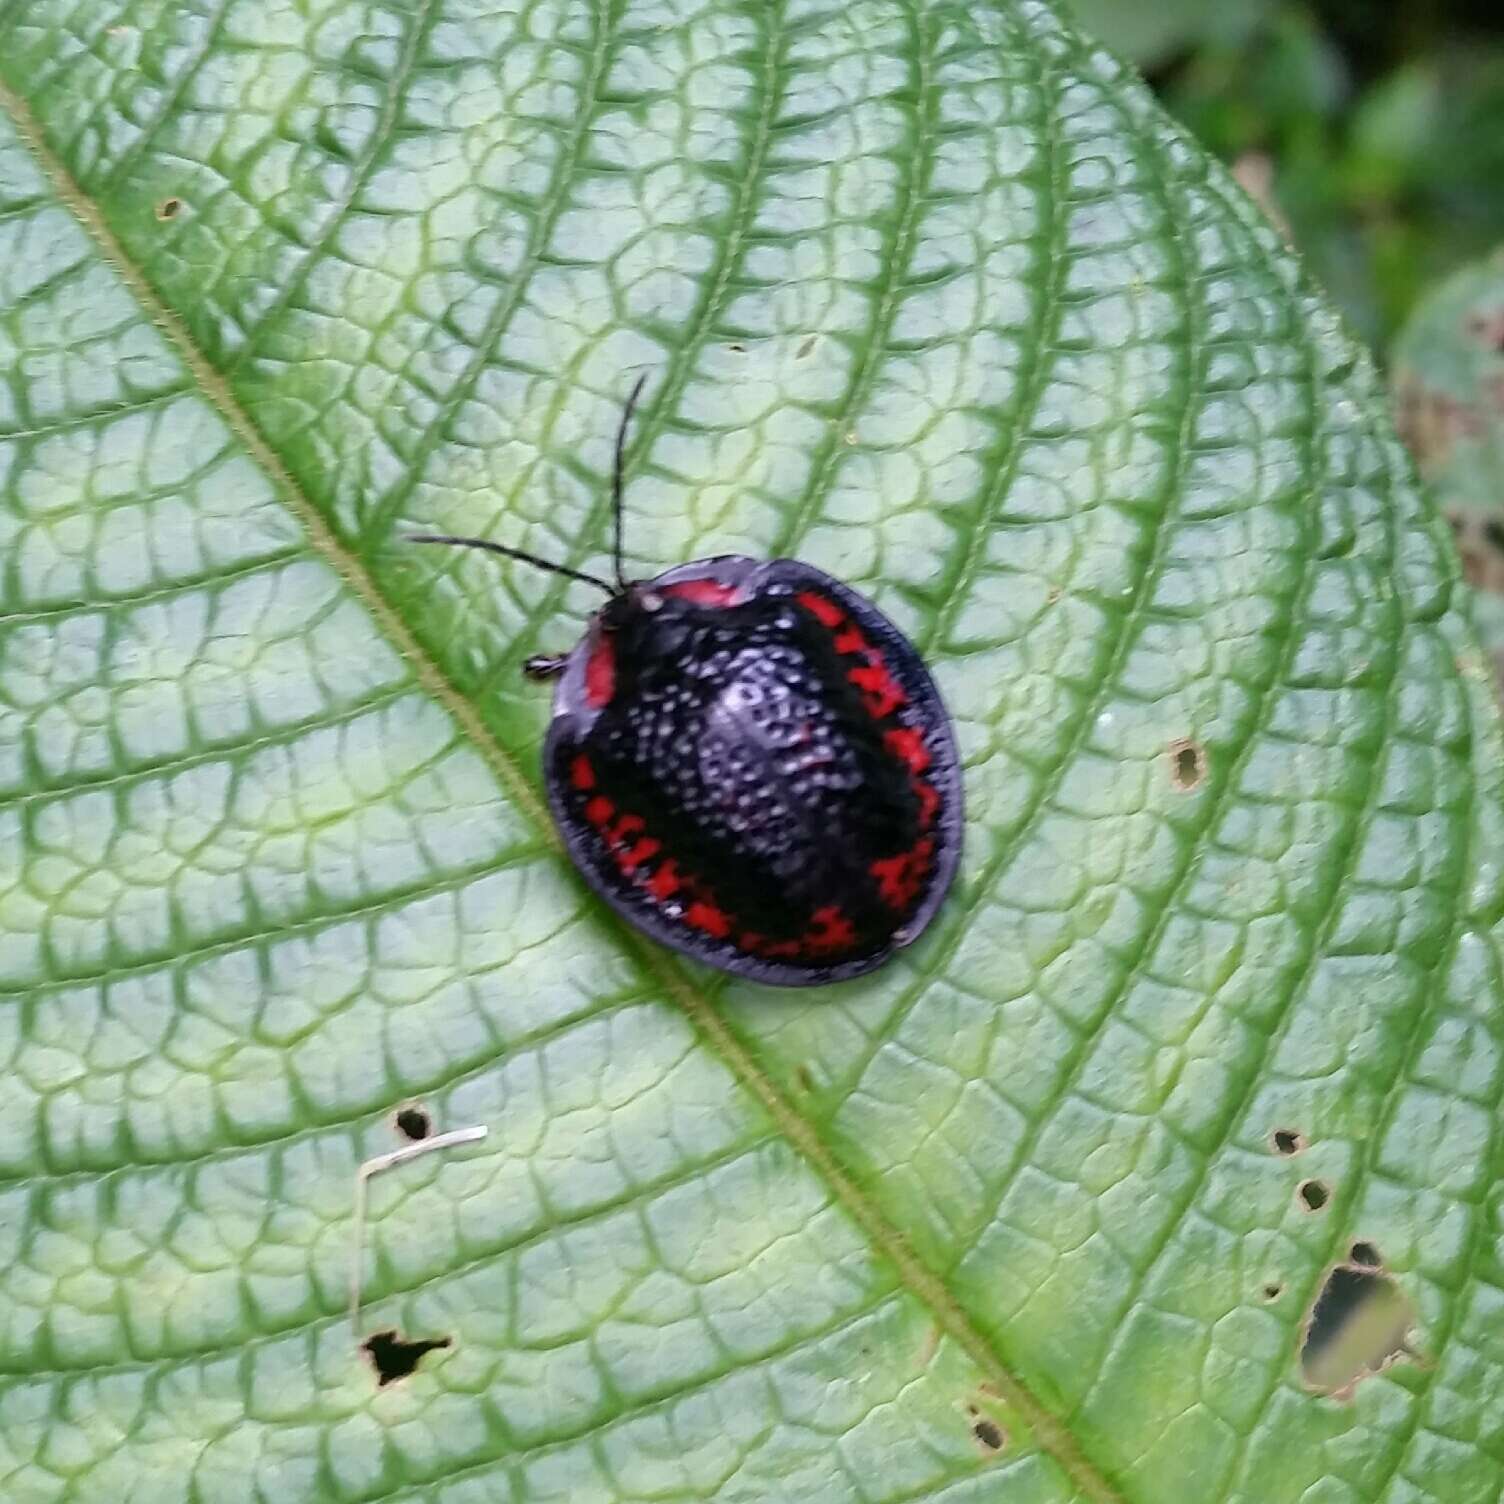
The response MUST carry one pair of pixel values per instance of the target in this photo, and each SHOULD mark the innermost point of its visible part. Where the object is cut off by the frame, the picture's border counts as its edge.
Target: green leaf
(934, 297)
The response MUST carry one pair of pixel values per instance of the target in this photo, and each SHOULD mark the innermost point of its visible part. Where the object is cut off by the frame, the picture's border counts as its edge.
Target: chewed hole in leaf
(1187, 765)
(394, 1357)
(1273, 1290)
(1288, 1141)
(1360, 1323)
(1313, 1194)
(1365, 1254)
(413, 1122)
(169, 208)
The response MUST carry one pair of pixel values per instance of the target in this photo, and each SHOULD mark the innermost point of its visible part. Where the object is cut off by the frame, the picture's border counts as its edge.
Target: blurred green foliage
(1379, 128)
(1448, 375)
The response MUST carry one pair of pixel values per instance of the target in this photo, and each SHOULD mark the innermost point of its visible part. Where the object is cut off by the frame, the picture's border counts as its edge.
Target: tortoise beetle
(749, 762)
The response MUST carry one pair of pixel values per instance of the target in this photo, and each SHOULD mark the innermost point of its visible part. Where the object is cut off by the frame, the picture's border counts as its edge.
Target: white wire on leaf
(374, 1166)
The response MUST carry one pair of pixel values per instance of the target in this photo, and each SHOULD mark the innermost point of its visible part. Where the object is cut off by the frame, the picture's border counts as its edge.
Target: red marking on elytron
(900, 878)
(929, 802)
(907, 745)
(830, 930)
(705, 916)
(881, 689)
(581, 774)
(644, 851)
(826, 612)
(702, 914)
(760, 945)
(625, 828)
(702, 592)
(782, 949)
(600, 671)
(882, 693)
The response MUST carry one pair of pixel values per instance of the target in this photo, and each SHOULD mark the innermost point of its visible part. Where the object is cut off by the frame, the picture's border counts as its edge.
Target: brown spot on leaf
(988, 1435)
(169, 208)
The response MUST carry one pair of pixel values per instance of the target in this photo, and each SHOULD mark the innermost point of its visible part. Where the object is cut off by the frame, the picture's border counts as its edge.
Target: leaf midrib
(1049, 1431)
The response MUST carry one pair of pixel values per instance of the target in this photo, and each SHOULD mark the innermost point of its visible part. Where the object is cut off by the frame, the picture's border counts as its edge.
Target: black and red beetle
(749, 761)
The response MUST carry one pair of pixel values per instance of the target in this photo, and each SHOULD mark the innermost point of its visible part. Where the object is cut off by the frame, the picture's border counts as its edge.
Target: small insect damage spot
(394, 1357)
(1187, 765)
(169, 208)
(806, 347)
(1360, 1323)
(1273, 1290)
(804, 1078)
(413, 1122)
(1313, 1194)
(1287, 1141)
(990, 1437)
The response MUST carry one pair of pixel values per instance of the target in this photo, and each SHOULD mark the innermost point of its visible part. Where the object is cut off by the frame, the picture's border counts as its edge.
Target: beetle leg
(544, 665)
(372, 1167)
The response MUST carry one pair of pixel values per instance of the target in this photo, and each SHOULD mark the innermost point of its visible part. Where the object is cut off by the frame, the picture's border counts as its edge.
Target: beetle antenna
(514, 553)
(621, 446)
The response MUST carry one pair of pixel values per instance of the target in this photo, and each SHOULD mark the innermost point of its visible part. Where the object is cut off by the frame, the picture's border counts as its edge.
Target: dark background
(1374, 131)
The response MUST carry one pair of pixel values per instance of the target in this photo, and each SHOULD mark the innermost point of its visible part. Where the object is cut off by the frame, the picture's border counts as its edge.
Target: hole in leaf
(414, 1123)
(740, 349)
(1493, 530)
(806, 346)
(1273, 1290)
(1359, 1324)
(1187, 765)
(169, 208)
(1288, 1141)
(1314, 1194)
(1365, 1254)
(394, 1357)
